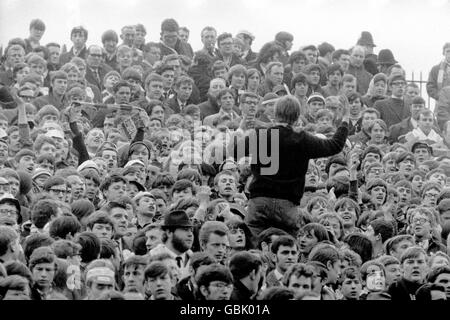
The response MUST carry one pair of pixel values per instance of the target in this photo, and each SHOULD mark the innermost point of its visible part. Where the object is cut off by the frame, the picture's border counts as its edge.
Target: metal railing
(422, 84)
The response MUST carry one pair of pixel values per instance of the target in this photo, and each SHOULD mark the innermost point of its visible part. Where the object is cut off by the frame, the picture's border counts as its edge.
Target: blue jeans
(263, 213)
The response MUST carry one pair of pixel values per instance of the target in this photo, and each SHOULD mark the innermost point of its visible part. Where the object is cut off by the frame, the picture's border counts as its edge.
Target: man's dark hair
(214, 272)
(243, 263)
(183, 184)
(110, 180)
(169, 25)
(287, 241)
(384, 228)
(436, 272)
(266, 235)
(81, 30)
(64, 225)
(42, 212)
(223, 36)
(35, 241)
(156, 269)
(90, 246)
(199, 259)
(361, 244)
(325, 48)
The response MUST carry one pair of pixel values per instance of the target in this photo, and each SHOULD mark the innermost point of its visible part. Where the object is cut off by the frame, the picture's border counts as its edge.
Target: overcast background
(415, 30)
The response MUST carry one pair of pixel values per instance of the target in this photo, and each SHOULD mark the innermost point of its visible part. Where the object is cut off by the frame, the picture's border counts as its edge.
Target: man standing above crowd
(394, 109)
(440, 74)
(277, 186)
(37, 29)
(170, 41)
(78, 36)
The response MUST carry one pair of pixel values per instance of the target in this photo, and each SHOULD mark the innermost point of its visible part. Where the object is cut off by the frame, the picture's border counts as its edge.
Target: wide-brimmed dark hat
(386, 56)
(177, 218)
(366, 39)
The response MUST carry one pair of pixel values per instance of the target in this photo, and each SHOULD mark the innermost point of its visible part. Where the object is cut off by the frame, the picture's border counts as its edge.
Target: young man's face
(133, 277)
(398, 88)
(59, 86)
(314, 77)
(306, 241)
(438, 177)
(123, 95)
(285, 257)
(311, 55)
(301, 89)
(344, 61)
(314, 106)
(400, 247)
(120, 219)
(110, 158)
(348, 87)
(227, 102)
(351, 288)
(218, 290)
(415, 269)
(103, 231)
(91, 189)
(95, 138)
(169, 77)
(221, 73)
(226, 185)
(378, 195)
(182, 194)
(110, 46)
(153, 55)
(226, 46)
(404, 194)
(59, 192)
(78, 39)
(115, 190)
(300, 285)
(43, 274)
(412, 92)
(160, 287)
(155, 90)
(393, 273)
(430, 197)
(335, 78)
(444, 280)
(217, 246)
(38, 68)
(238, 80)
(406, 166)
(298, 65)
(124, 59)
(421, 155)
(425, 122)
(421, 225)
(348, 215)
(367, 120)
(333, 272)
(147, 206)
(375, 281)
(184, 92)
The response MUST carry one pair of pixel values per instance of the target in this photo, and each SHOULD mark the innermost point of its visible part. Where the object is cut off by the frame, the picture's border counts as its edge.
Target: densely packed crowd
(147, 171)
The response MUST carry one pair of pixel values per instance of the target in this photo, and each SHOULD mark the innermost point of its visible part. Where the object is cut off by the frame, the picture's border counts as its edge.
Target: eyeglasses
(420, 221)
(252, 103)
(8, 212)
(398, 84)
(59, 191)
(221, 285)
(95, 55)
